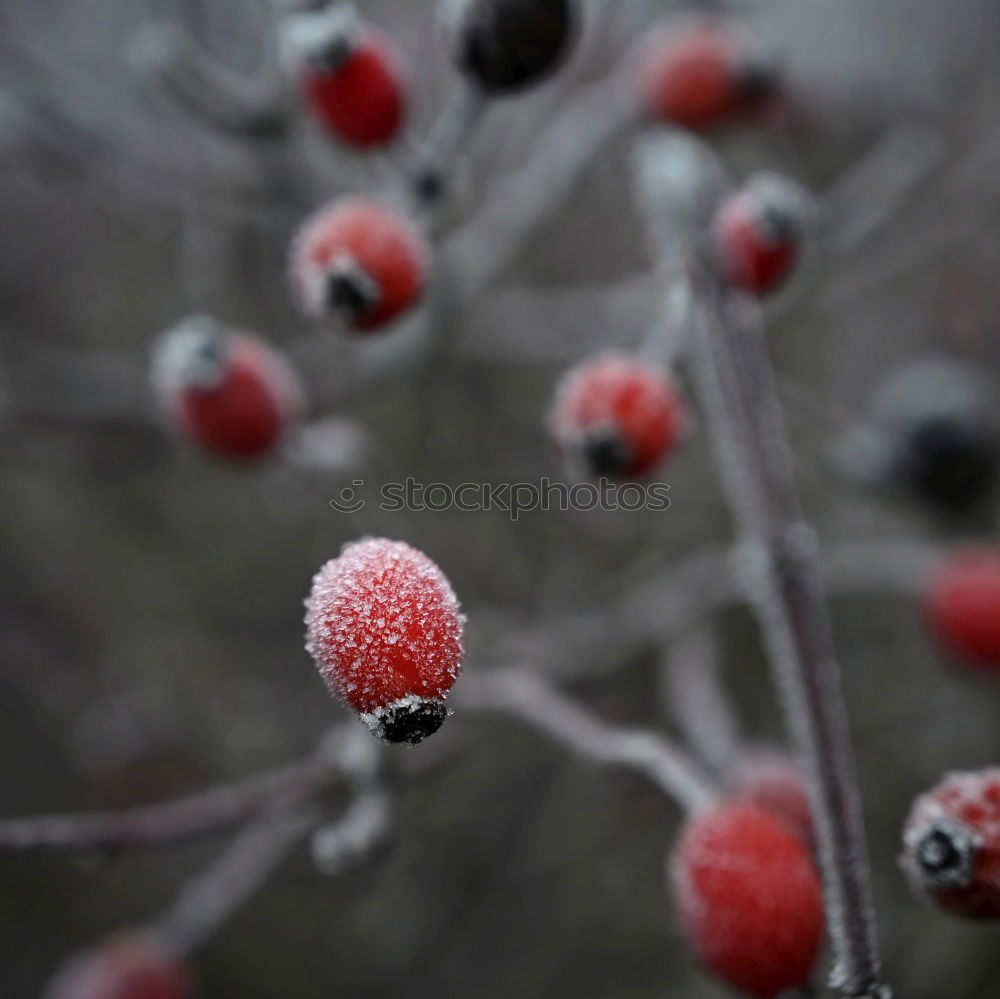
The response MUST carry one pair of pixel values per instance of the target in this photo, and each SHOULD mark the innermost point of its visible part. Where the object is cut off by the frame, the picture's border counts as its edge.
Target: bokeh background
(150, 598)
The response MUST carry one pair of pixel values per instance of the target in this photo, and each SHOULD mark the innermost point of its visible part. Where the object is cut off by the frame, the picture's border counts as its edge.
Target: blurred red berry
(384, 628)
(125, 967)
(951, 844)
(350, 74)
(773, 782)
(360, 262)
(758, 233)
(698, 74)
(749, 899)
(229, 393)
(961, 605)
(621, 416)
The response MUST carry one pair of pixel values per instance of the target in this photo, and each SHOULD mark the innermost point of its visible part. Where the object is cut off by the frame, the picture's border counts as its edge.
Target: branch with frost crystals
(529, 699)
(206, 902)
(490, 240)
(210, 92)
(449, 136)
(695, 695)
(781, 578)
(193, 815)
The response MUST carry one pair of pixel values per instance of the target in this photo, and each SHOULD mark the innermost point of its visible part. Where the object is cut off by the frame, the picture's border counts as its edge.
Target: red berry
(351, 75)
(384, 628)
(230, 393)
(749, 899)
(620, 415)
(951, 844)
(773, 782)
(758, 233)
(702, 73)
(962, 606)
(125, 967)
(360, 262)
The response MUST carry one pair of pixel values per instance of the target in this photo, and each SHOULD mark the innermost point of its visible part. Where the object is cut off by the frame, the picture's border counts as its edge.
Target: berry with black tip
(951, 844)
(384, 628)
(618, 416)
(226, 392)
(758, 233)
(702, 73)
(134, 966)
(749, 898)
(350, 74)
(961, 605)
(503, 46)
(359, 262)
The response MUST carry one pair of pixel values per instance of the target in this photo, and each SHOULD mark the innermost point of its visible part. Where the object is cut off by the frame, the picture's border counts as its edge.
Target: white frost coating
(323, 37)
(346, 235)
(383, 625)
(190, 355)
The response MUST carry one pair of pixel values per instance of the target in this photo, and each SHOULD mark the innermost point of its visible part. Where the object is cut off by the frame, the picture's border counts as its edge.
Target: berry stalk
(783, 585)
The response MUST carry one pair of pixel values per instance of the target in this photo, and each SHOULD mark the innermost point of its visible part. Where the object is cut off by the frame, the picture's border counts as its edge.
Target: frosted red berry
(226, 392)
(620, 416)
(773, 782)
(951, 844)
(758, 233)
(749, 899)
(350, 74)
(384, 628)
(360, 262)
(702, 73)
(125, 967)
(961, 604)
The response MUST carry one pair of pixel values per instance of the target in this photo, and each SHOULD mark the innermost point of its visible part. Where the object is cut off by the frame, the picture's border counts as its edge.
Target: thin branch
(449, 136)
(194, 815)
(488, 243)
(695, 693)
(782, 582)
(529, 699)
(236, 875)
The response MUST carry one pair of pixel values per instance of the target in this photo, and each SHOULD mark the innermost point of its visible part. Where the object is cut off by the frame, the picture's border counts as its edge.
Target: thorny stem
(529, 699)
(782, 581)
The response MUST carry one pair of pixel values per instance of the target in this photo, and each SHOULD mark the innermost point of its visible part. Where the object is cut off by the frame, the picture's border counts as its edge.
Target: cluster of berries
(357, 262)
(621, 416)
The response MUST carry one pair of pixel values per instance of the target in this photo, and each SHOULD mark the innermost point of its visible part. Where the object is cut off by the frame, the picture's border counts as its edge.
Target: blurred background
(151, 597)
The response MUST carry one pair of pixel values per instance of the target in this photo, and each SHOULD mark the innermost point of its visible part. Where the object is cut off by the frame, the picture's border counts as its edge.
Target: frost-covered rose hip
(227, 392)
(951, 844)
(384, 628)
(350, 74)
(360, 262)
(619, 415)
(699, 73)
(962, 606)
(758, 233)
(773, 782)
(132, 966)
(749, 898)
(503, 46)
